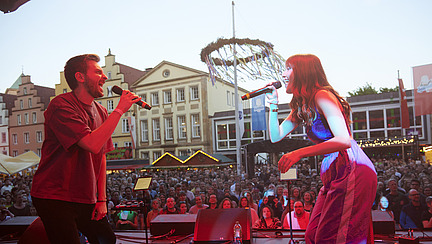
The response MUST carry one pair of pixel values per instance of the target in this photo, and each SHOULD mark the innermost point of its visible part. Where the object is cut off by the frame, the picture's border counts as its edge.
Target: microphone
(266, 89)
(117, 90)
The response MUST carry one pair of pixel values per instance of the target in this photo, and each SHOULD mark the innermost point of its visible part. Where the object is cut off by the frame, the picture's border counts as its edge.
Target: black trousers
(64, 220)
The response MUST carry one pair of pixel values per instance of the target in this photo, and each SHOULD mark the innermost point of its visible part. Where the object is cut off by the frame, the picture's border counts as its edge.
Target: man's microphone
(117, 90)
(266, 89)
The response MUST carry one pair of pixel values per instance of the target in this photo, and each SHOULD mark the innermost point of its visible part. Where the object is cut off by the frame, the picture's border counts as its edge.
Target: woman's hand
(288, 160)
(272, 97)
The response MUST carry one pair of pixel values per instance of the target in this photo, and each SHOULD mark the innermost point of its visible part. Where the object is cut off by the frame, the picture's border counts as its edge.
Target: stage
(264, 237)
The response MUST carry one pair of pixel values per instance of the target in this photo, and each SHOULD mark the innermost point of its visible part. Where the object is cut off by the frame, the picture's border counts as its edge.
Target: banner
(422, 76)
(241, 118)
(132, 130)
(258, 113)
(405, 123)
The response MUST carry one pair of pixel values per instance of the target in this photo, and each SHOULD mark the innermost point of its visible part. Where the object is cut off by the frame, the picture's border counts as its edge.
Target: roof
(130, 74)
(127, 164)
(44, 93)
(198, 159)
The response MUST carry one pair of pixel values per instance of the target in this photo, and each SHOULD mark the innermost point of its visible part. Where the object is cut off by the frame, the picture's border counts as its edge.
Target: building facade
(6, 104)
(183, 100)
(26, 123)
(375, 126)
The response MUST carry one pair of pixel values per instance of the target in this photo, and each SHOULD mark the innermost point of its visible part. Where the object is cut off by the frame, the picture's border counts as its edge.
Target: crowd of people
(404, 191)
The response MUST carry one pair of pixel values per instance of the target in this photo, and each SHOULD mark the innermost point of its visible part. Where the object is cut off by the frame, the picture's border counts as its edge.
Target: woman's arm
(328, 105)
(279, 132)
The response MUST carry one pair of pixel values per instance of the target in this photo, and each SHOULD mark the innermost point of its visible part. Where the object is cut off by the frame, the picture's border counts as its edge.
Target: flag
(405, 123)
(258, 113)
(132, 130)
(422, 76)
(241, 118)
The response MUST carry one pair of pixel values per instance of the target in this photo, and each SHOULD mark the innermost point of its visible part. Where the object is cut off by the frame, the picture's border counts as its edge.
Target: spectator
(128, 196)
(20, 208)
(127, 220)
(252, 203)
(185, 188)
(5, 214)
(156, 209)
(199, 205)
(213, 204)
(308, 204)
(384, 206)
(427, 191)
(410, 217)
(226, 203)
(299, 217)
(396, 199)
(244, 203)
(169, 207)
(415, 184)
(183, 209)
(267, 221)
(7, 186)
(274, 203)
(427, 215)
(295, 194)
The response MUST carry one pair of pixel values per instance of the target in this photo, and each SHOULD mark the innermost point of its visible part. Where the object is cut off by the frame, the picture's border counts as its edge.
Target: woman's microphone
(266, 89)
(117, 90)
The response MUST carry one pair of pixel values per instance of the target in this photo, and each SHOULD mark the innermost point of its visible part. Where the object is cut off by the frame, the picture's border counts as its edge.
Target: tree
(385, 89)
(365, 90)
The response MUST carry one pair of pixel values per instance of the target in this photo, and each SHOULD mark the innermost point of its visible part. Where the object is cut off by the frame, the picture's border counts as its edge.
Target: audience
(299, 217)
(267, 221)
(410, 217)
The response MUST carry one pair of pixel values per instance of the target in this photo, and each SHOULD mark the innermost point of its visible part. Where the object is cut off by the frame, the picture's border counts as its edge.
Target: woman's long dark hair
(309, 78)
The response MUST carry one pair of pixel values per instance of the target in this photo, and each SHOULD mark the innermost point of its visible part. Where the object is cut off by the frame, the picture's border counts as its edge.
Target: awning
(11, 165)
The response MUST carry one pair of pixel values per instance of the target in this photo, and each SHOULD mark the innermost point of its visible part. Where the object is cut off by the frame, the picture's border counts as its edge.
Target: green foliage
(368, 90)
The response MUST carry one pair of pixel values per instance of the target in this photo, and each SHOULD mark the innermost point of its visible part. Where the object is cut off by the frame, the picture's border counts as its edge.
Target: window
(19, 119)
(156, 130)
(180, 95)
(109, 75)
(226, 135)
(39, 152)
(145, 155)
(181, 127)
(3, 137)
(21, 104)
(14, 139)
(196, 128)
(109, 91)
(144, 130)
(184, 152)
(167, 97)
(228, 98)
(25, 90)
(15, 153)
(110, 105)
(115, 144)
(157, 155)
(34, 117)
(26, 118)
(1, 119)
(30, 102)
(155, 98)
(359, 120)
(39, 136)
(168, 129)
(26, 137)
(393, 117)
(125, 126)
(194, 93)
(143, 97)
(376, 119)
(64, 90)
(128, 144)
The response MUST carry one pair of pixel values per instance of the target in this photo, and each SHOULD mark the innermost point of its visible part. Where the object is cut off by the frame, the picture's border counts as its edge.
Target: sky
(358, 42)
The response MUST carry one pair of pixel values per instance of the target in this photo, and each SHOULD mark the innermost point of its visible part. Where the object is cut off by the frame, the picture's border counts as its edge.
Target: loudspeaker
(35, 234)
(217, 225)
(383, 223)
(16, 226)
(182, 224)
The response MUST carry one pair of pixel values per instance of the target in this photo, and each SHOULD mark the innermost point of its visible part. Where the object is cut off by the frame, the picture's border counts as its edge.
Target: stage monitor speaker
(383, 223)
(216, 225)
(16, 226)
(182, 224)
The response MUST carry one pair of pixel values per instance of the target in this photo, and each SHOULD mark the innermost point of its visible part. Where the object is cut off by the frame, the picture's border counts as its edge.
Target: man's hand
(126, 100)
(99, 211)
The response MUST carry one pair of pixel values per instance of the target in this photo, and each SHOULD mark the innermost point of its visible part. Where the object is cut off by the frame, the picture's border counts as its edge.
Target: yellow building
(183, 101)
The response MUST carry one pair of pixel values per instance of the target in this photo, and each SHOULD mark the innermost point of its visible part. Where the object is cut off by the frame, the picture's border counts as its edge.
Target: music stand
(288, 176)
(143, 184)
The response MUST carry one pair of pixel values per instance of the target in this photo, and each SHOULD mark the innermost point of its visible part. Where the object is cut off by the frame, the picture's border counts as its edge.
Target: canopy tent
(11, 165)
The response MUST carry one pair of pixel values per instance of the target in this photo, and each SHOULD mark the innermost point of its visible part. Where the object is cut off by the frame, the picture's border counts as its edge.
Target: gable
(165, 72)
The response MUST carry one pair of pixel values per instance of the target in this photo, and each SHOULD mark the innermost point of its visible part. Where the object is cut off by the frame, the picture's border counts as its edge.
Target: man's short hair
(77, 64)
(428, 199)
